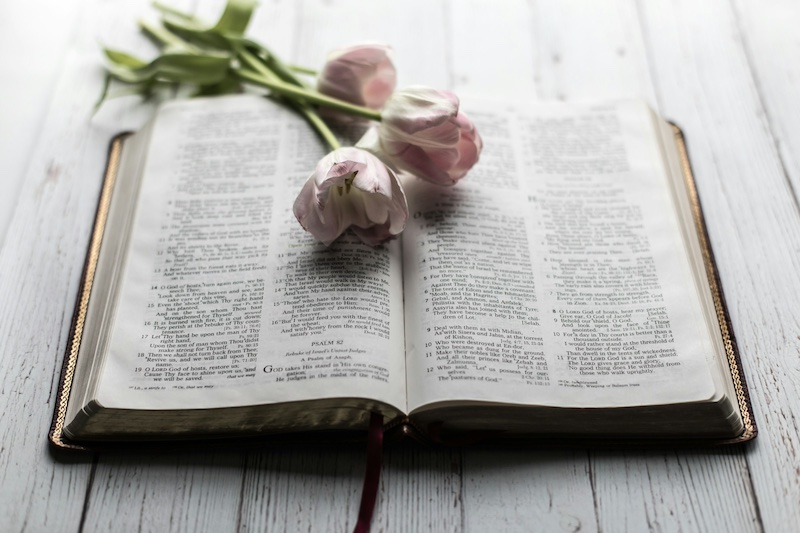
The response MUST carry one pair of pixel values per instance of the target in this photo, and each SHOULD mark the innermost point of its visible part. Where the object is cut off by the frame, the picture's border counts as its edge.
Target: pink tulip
(363, 75)
(423, 131)
(351, 188)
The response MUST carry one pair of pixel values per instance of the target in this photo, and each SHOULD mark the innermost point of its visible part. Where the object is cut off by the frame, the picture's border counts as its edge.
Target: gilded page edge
(79, 317)
(726, 330)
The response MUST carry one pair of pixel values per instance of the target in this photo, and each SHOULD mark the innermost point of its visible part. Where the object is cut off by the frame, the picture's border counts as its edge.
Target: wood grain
(328, 492)
(601, 52)
(596, 50)
(772, 50)
(528, 490)
(29, 80)
(192, 491)
(513, 489)
(175, 492)
(40, 265)
(590, 51)
(754, 225)
(725, 71)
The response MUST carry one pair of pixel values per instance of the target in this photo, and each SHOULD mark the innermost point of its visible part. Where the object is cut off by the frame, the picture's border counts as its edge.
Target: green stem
(272, 62)
(253, 62)
(306, 110)
(284, 88)
(164, 8)
(303, 70)
(164, 36)
(270, 69)
(282, 70)
(319, 124)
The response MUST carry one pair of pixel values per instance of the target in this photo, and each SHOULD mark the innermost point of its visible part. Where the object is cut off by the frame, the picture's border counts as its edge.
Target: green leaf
(230, 26)
(235, 17)
(164, 37)
(169, 10)
(183, 67)
(226, 86)
(103, 92)
(147, 90)
(123, 59)
(198, 36)
(272, 62)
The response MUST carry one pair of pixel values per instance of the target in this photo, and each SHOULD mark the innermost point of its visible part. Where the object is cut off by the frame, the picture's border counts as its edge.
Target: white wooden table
(728, 71)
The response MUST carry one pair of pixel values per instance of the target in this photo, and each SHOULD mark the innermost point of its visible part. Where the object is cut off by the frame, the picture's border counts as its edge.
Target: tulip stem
(283, 88)
(164, 8)
(282, 70)
(303, 70)
(253, 62)
(319, 124)
(313, 118)
(164, 36)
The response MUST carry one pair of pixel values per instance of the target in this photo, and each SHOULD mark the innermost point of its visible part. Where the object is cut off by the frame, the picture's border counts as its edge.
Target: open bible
(564, 289)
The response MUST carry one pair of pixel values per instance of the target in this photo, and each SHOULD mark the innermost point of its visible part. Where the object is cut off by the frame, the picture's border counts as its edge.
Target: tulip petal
(374, 235)
(308, 213)
(351, 187)
(417, 161)
(363, 75)
(423, 132)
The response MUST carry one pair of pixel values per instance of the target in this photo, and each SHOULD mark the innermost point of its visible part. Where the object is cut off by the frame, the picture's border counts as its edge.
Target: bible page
(226, 300)
(554, 273)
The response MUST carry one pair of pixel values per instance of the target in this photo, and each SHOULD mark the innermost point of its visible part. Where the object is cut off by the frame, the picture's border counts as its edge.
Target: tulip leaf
(147, 90)
(272, 62)
(103, 92)
(191, 32)
(230, 26)
(183, 67)
(169, 10)
(163, 36)
(229, 85)
(123, 59)
(235, 17)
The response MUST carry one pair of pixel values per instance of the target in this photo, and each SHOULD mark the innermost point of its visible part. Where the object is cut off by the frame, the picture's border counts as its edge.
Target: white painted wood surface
(727, 71)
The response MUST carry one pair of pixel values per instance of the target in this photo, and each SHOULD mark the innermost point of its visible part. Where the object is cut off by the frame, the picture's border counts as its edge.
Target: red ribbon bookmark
(369, 493)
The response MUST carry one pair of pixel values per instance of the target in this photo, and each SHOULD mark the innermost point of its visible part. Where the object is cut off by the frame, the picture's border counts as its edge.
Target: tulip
(423, 131)
(351, 188)
(362, 75)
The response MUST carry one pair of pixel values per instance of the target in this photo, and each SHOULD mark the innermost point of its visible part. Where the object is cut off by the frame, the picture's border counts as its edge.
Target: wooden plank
(599, 51)
(512, 490)
(524, 490)
(772, 47)
(491, 48)
(320, 490)
(589, 50)
(145, 492)
(41, 264)
(29, 80)
(192, 492)
(421, 490)
(701, 77)
(705, 81)
(302, 490)
(413, 29)
(691, 490)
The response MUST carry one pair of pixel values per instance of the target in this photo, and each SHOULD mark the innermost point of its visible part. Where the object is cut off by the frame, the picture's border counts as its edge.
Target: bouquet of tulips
(418, 129)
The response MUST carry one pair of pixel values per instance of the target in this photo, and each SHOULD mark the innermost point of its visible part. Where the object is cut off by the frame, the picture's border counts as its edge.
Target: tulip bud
(351, 188)
(362, 75)
(423, 131)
